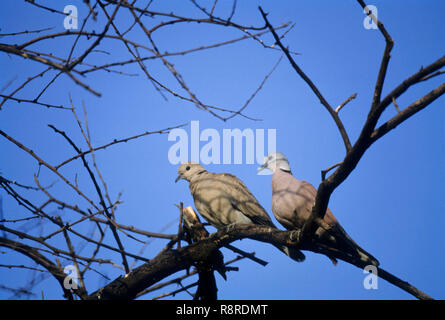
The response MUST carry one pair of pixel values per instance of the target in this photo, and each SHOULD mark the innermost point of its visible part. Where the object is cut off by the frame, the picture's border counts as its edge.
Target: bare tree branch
(168, 262)
(300, 72)
(40, 259)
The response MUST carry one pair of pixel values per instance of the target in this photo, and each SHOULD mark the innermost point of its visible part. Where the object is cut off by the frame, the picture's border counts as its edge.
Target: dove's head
(275, 160)
(189, 169)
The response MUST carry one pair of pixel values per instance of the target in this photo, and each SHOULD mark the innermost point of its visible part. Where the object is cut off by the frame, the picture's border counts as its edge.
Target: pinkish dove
(292, 202)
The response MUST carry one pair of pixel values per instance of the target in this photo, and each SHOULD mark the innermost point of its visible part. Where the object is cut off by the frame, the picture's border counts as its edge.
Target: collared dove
(224, 200)
(292, 202)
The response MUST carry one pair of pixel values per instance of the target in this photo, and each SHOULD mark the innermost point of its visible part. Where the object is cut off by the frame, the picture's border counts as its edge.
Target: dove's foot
(296, 235)
(230, 227)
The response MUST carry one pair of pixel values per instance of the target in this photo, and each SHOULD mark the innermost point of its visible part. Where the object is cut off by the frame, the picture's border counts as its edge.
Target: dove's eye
(187, 168)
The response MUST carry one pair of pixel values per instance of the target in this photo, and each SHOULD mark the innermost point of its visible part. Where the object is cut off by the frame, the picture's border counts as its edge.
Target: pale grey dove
(224, 200)
(292, 202)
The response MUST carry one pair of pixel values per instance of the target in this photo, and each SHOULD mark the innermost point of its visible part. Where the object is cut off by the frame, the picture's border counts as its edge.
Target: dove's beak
(264, 166)
(178, 178)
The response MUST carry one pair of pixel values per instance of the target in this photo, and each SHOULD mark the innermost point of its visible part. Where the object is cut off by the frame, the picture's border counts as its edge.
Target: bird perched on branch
(292, 202)
(224, 200)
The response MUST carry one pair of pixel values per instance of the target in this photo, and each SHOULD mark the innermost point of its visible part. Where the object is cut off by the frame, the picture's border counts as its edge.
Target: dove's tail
(367, 257)
(355, 249)
(292, 253)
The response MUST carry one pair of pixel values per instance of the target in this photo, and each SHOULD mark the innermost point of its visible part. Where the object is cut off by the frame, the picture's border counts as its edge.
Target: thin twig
(300, 72)
(353, 96)
(256, 91)
(116, 141)
(395, 105)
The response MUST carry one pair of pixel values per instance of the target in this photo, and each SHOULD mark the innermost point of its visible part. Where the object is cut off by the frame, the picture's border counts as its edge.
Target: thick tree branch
(170, 261)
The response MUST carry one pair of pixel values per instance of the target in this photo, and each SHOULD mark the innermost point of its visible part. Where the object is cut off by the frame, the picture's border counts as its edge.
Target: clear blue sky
(392, 204)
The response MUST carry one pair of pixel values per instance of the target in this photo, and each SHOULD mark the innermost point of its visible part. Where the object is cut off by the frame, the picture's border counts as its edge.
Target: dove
(224, 200)
(292, 202)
